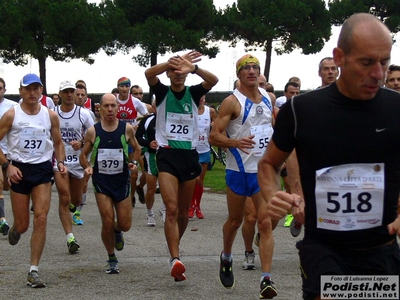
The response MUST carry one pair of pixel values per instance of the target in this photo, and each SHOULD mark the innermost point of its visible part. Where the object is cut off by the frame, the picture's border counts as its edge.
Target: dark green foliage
(60, 29)
(303, 24)
(169, 26)
(386, 10)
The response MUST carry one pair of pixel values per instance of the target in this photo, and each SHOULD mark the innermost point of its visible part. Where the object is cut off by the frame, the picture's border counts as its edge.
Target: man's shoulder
(84, 111)
(230, 98)
(320, 93)
(136, 101)
(386, 92)
(9, 102)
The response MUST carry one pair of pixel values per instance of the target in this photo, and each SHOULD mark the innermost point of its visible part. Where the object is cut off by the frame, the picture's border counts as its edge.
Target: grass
(215, 178)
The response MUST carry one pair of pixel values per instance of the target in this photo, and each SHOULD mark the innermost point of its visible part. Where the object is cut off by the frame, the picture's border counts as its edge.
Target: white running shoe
(162, 212)
(248, 263)
(150, 221)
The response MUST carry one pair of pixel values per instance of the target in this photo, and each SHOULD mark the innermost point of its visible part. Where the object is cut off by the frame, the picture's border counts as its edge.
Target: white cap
(66, 84)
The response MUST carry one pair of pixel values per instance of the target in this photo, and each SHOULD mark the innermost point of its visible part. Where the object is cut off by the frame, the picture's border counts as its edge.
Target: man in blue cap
(32, 130)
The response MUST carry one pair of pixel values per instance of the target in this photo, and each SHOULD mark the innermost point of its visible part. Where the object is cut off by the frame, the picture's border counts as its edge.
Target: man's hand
(298, 211)
(192, 56)
(246, 143)
(154, 144)
(88, 171)
(180, 65)
(281, 203)
(62, 169)
(132, 166)
(394, 227)
(76, 145)
(14, 174)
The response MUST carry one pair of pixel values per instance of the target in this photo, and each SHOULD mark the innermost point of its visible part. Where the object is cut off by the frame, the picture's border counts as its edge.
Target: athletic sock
(264, 274)
(79, 208)
(227, 257)
(69, 235)
(112, 257)
(199, 193)
(34, 268)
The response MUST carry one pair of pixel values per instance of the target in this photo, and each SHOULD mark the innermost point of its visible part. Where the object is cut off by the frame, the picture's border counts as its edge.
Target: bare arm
(14, 174)
(87, 148)
(130, 136)
(152, 72)
(5, 126)
(213, 115)
(279, 203)
(59, 149)
(229, 110)
(183, 66)
(293, 180)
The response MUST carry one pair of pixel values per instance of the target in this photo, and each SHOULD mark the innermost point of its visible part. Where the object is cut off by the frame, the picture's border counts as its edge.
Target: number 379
(110, 163)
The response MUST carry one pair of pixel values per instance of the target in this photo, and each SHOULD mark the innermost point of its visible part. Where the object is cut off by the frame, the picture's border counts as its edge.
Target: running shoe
(158, 190)
(267, 291)
(112, 267)
(257, 239)
(72, 208)
(295, 228)
(226, 273)
(140, 193)
(4, 227)
(199, 214)
(76, 218)
(13, 236)
(178, 270)
(72, 245)
(150, 221)
(34, 281)
(288, 220)
(248, 263)
(191, 212)
(119, 241)
(162, 212)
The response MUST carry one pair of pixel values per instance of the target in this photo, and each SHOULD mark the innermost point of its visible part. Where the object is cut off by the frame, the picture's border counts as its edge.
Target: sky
(102, 76)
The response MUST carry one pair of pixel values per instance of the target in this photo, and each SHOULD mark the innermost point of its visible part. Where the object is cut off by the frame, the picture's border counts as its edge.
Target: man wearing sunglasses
(246, 118)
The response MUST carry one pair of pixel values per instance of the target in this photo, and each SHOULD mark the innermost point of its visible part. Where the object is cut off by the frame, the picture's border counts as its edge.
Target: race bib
(110, 161)
(350, 197)
(179, 127)
(262, 135)
(71, 156)
(32, 141)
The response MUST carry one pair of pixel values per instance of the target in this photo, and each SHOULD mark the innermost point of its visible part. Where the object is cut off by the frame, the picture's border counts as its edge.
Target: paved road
(144, 272)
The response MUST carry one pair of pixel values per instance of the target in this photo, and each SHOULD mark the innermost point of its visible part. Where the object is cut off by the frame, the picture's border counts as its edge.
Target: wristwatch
(196, 67)
(5, 165)
(134, 162)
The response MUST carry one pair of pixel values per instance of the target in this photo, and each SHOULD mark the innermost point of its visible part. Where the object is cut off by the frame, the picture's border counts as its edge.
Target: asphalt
(144, 270)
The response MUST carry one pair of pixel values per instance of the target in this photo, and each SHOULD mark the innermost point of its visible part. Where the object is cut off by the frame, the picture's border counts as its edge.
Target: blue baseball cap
(29, 79)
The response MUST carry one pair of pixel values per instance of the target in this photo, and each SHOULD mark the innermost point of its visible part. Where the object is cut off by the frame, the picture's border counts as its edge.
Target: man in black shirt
(347, 137)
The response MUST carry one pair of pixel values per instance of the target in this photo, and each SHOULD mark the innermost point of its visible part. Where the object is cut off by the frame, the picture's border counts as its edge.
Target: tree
(169, 26)
(60, 29)
(386, 10)
(293, 24)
